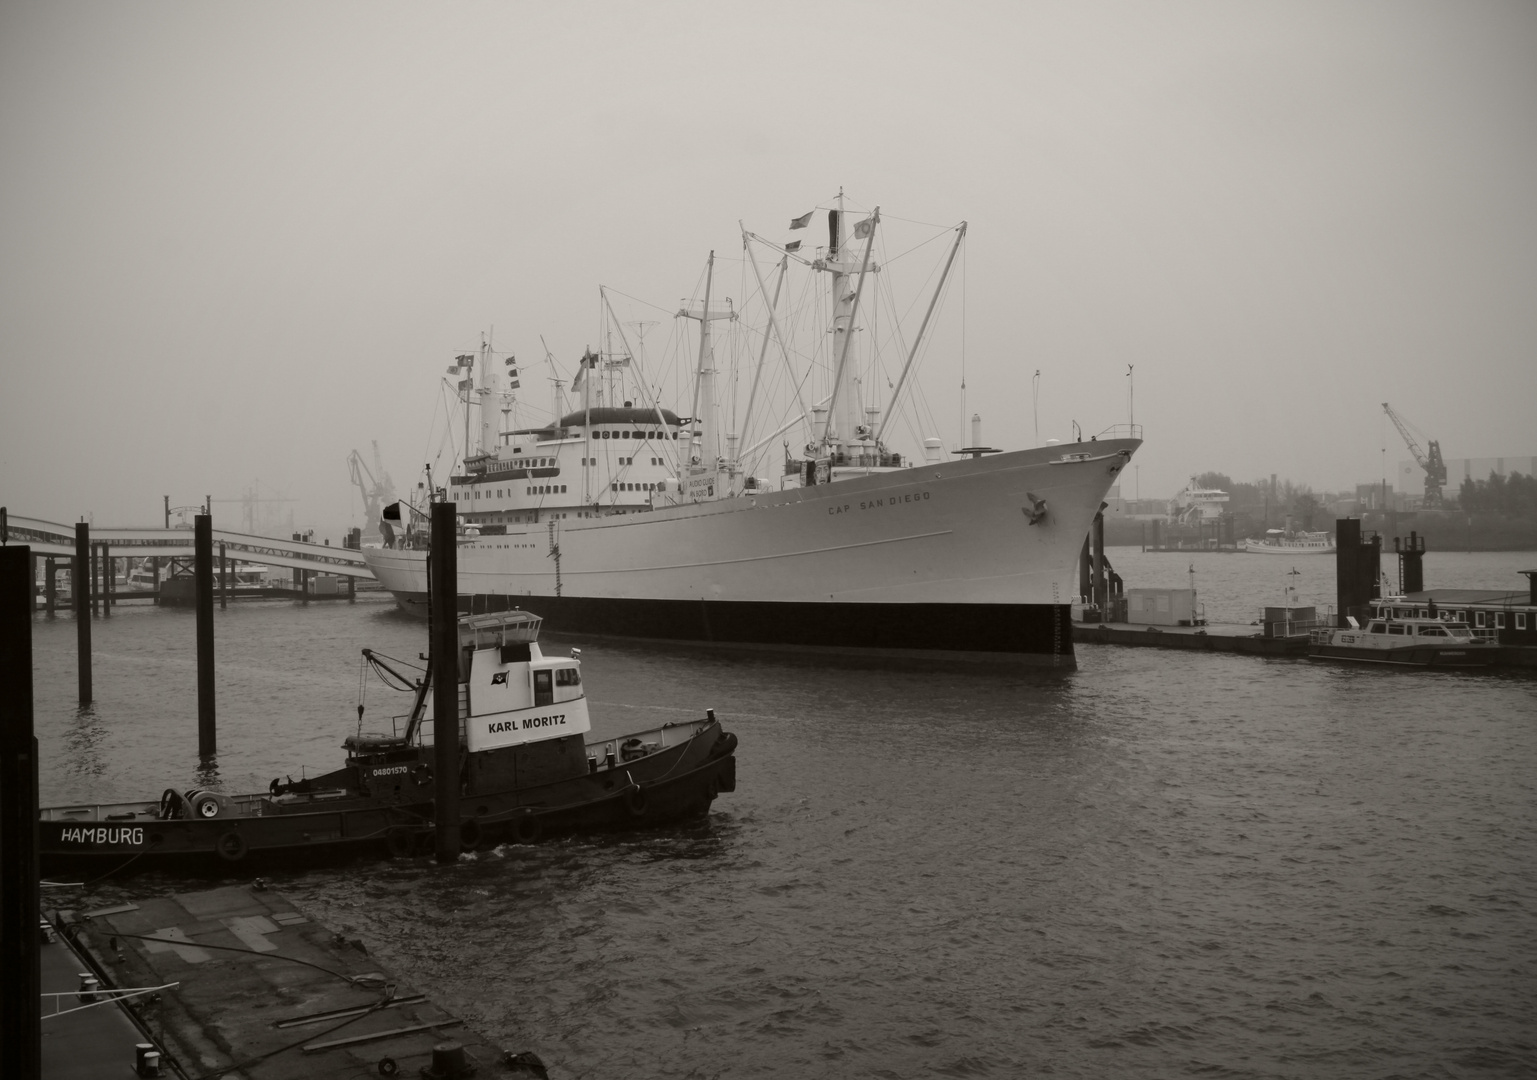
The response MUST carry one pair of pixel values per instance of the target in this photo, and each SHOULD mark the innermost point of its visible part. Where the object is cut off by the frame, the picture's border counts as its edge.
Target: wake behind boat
(622, 518)
(528, 768)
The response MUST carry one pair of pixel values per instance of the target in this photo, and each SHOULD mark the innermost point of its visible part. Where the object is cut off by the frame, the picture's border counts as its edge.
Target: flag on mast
(793, 245)
(864, 228)
(802, 221)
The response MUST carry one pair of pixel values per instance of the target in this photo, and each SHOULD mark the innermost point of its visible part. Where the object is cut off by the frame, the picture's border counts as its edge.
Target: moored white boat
(1281, 542)
(1426, 638)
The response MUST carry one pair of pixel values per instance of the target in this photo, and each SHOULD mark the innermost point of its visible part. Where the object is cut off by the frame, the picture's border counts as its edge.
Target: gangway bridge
(51, 538)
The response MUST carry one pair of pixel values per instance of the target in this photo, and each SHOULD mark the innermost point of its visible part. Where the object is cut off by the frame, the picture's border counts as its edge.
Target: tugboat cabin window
(544, 691)
(1433, 631)
(1399, 630)
(1376, 628)
(568, 676)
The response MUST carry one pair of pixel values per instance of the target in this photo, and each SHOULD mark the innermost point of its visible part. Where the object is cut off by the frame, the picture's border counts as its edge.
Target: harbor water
(1161, 863)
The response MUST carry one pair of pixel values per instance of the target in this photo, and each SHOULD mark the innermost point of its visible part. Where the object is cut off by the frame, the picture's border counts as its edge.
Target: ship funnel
(976, 429)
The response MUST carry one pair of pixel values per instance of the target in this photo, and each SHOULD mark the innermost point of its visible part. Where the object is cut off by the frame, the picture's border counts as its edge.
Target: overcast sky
(239, 240)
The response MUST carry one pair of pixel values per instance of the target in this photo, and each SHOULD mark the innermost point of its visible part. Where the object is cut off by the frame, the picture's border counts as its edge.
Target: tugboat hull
(256, 833)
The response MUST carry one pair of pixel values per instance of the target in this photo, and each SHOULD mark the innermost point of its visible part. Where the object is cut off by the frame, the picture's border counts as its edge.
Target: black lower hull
(1021, 633)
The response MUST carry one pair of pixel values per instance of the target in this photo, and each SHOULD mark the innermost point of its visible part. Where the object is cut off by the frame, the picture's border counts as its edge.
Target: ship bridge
(52, 538)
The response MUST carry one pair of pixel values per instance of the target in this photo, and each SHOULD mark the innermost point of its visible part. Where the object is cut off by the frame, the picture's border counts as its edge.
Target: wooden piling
(443, 616)
(108, 581)
(21, 1050)
(202, 557)
(80, 592)
(1100, 584)
(223, 578)
(50, 586)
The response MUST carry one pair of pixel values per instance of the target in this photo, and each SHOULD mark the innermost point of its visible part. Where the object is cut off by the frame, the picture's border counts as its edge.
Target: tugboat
(1418, 637)
(527, 770)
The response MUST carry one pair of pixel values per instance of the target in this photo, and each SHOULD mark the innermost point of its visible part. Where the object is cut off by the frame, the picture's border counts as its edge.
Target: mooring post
(443, 611)
(155, 568)
(1101, 585)
(21, 1016)
(108, 581)
(80, 590)
(202, 558)
(223, 577)
(50, 586)
(94, 592)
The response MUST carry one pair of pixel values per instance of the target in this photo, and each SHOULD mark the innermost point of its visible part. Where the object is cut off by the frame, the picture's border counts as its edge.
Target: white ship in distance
(776, 512)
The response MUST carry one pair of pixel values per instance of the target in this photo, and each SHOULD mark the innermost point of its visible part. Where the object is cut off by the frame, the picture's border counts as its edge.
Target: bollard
(443, 648)
(21, 1048)
(80, 590)
(202, 551)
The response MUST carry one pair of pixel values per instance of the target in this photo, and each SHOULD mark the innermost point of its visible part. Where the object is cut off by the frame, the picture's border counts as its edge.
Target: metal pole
(80, 589)
(202, 549)
(108, 581)
(443, 604)
(223, 577)
(50, 585)
(21, 1052)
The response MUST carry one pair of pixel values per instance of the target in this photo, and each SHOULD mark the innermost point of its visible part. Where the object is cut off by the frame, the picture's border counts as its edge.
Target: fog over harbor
(238, 242)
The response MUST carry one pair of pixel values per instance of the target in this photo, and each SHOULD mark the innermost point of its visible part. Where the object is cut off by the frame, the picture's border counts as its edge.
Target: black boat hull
(675, 784)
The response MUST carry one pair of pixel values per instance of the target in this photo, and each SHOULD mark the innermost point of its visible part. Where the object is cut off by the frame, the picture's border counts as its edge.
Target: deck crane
(377, 493)
(1435, 468)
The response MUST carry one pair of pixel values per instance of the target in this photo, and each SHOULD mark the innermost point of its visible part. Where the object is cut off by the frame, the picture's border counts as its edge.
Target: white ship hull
(938, 557)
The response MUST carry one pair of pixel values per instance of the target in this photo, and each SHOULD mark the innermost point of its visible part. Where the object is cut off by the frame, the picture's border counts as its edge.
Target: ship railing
(1485, 635)
(1121, 431)
(1320, 635)
(1293, 627)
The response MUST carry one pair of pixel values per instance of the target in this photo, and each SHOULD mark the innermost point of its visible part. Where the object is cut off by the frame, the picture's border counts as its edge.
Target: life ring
(526, 829)
(170, 804)
(469, 834)
(400, 842)
(422, 774)
(231, 847)
(635, 801)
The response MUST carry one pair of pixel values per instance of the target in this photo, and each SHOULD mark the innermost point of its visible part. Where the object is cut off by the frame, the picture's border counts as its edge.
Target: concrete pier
(263, 987)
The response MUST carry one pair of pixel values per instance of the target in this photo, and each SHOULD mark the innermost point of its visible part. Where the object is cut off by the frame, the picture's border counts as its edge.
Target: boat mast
(843, 407)
(704, 468)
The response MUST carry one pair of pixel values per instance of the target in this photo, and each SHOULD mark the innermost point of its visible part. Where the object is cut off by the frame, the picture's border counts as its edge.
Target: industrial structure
(1428, 460)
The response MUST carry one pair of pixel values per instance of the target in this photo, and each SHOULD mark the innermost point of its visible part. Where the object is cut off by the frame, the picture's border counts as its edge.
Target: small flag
(465, 360)
(466, 384)
(864, 228)
(454, 370)
(392, 512)
(793, 245)
(802, 221)
(515, 384)
(499, 679)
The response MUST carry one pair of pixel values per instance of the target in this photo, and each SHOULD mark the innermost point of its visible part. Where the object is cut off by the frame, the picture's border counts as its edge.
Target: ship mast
(703, 479)
(843, 406)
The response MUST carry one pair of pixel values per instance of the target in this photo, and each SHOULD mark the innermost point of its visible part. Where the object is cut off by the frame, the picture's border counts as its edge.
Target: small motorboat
(528, 768)
(1420, 637)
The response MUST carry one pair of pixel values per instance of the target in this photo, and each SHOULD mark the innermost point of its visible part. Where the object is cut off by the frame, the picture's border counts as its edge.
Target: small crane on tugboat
(1435, 468)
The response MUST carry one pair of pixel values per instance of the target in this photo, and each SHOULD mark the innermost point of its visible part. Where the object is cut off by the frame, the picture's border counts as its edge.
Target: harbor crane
(375, 485)
(1435, 468)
